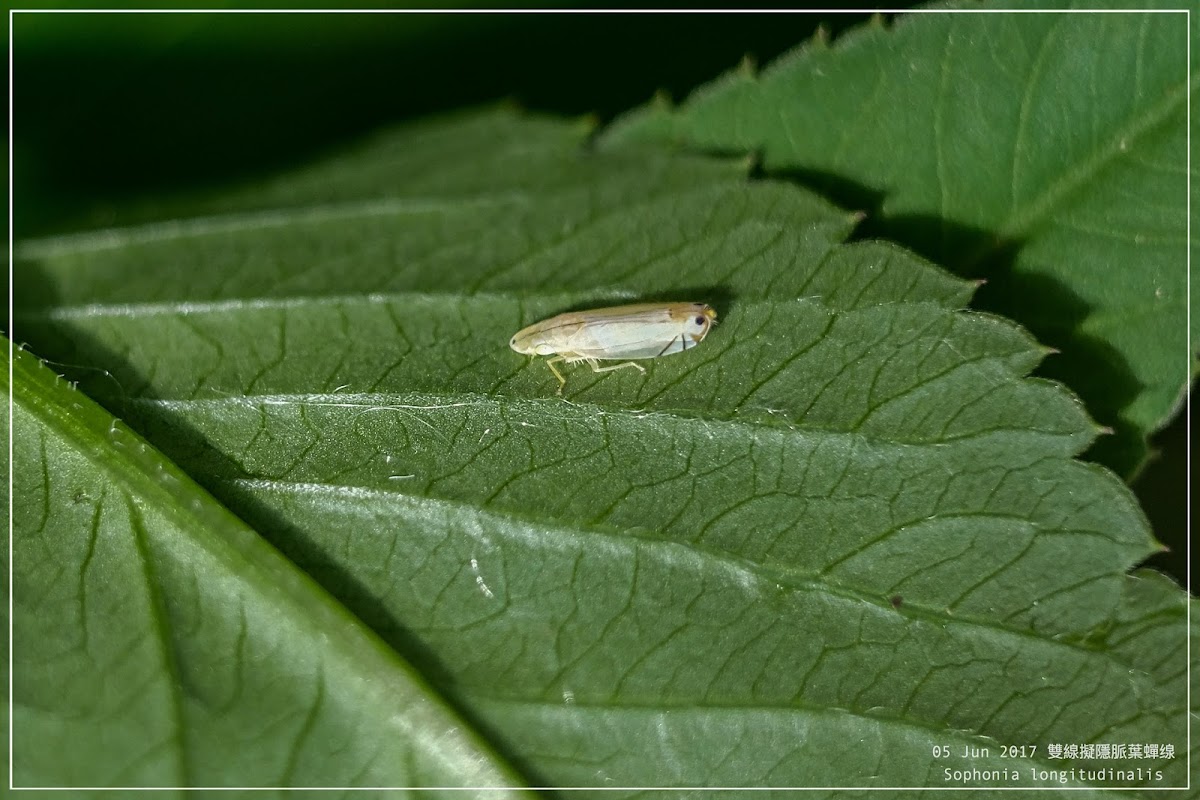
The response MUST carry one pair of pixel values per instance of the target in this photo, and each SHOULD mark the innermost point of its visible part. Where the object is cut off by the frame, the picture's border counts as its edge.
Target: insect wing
(636, 334)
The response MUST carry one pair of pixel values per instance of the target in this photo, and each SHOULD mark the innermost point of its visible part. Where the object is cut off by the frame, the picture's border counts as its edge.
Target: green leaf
(159, 642)
(1046, 152)
(844, 530)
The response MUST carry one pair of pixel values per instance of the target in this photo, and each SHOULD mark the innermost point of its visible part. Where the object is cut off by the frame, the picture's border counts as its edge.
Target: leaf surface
(844, 529)
(160, 642)
(1046, 152)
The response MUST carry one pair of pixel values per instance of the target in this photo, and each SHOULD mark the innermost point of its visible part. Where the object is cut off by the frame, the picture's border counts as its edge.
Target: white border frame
(12, 12)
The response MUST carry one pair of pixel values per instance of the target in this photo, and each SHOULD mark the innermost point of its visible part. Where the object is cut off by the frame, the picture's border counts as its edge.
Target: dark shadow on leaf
(297, 545)
(32, 288)
(60, 346)
(848, 194)
(111, 381)
(1162, 487)
(1090, 366)
(719, 297)
(1050, 309)
(307, 553)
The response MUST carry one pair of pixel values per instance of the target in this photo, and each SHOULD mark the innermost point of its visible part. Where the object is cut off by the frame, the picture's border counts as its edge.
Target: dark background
(109, 108)
(112, 110)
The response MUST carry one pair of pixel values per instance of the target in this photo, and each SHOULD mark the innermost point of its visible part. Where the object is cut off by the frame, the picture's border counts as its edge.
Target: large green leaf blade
(1046, 152)
(159, 642)
(847, 517)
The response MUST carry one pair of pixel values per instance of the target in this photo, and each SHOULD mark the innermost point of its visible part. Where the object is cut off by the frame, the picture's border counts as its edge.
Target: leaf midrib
(801, 582)
(518, 297)
(430, 402)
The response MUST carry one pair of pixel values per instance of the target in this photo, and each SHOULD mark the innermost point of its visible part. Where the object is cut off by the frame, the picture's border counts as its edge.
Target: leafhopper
(644, 330)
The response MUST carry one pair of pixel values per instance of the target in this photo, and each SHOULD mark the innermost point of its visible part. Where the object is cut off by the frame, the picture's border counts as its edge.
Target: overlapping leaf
(159, 642)
(844, 530)
(1044, 151)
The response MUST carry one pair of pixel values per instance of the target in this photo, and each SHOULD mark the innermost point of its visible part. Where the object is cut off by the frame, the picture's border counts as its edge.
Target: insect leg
(638, 367)
(668, 345)
(561, 380)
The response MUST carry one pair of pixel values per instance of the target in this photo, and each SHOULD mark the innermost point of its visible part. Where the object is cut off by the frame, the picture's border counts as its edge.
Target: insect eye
(700, 321)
